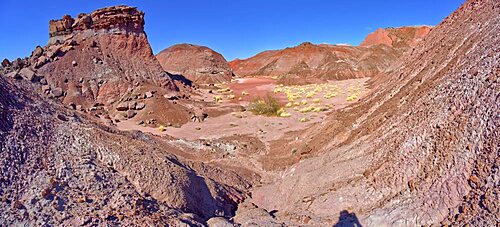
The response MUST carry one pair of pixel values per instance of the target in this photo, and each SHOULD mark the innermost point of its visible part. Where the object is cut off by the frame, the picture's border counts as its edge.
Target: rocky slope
(199, 64)
(309, 62)
(422, 149)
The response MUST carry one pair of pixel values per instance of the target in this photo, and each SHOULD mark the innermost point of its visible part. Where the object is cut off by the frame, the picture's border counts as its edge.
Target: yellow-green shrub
(267, 105)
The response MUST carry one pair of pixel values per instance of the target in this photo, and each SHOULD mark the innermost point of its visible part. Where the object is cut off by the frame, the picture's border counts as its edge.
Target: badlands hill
(307, 62)
(199, 64)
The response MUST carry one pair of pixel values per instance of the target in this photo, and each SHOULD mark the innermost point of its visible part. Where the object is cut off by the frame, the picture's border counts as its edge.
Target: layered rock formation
(422, 149)
(309, 62)
(199, 64)
(96, 58)
(98, 61)
(101, 56)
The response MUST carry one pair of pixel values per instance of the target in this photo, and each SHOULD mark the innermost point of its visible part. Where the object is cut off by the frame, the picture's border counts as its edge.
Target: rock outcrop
(199, 64)
(115, 20)
(402, 37)
(307, 62)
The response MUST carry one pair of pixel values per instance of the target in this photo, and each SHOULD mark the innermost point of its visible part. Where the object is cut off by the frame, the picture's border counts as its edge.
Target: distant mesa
(199, 64)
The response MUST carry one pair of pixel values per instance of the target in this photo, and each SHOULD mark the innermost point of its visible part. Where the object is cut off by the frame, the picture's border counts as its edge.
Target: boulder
(37, 52)
(140, 106)
(14, 75)
(132, 105)
(57, 92)
(27, 74)
(45, 88)
(66, 49)
(219, 222)
(122, 106)
(41, 61)
(5, 63)
(148, 94)
(131, 113)
(120, 117)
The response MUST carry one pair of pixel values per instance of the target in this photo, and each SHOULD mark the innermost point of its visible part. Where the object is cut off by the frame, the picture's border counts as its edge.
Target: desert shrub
(267, 105)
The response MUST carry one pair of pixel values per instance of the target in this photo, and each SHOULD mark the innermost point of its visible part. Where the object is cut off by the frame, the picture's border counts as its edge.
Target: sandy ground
(242, 123)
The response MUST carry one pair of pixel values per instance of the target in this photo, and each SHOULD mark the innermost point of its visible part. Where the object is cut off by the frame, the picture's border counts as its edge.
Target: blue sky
(236, 29)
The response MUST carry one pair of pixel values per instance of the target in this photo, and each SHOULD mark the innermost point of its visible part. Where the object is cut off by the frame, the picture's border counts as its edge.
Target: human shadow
(180, 78)
(347, 219)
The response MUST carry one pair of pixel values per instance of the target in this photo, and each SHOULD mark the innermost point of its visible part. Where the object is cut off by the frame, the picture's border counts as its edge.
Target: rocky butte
(101, 56)
(102, 63)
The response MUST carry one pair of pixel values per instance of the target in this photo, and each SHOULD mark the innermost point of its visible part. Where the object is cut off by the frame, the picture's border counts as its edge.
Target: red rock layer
(123, 18)
(397, 37)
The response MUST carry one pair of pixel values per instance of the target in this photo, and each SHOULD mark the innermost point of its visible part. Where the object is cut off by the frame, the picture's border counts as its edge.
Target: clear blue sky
(236, 29)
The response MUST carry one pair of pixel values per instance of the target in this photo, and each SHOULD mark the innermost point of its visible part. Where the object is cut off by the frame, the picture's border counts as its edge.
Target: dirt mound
(311, 63)
(422, 149)
(199, 64)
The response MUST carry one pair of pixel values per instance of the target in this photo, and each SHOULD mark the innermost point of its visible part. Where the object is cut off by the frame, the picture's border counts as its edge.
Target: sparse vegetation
(268, 106)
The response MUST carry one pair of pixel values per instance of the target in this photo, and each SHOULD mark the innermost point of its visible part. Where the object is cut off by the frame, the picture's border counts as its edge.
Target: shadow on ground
(347, 219)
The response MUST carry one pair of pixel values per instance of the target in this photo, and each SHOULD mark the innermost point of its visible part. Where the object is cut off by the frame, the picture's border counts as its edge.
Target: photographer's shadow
(347, 219)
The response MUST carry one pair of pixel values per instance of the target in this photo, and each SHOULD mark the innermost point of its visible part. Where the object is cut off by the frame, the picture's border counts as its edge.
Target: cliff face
(402, 37)
(308, 62)
(197, 63)
(117, 20)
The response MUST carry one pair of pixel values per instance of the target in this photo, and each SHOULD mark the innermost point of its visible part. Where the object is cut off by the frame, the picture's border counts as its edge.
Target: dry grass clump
(268, 106)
